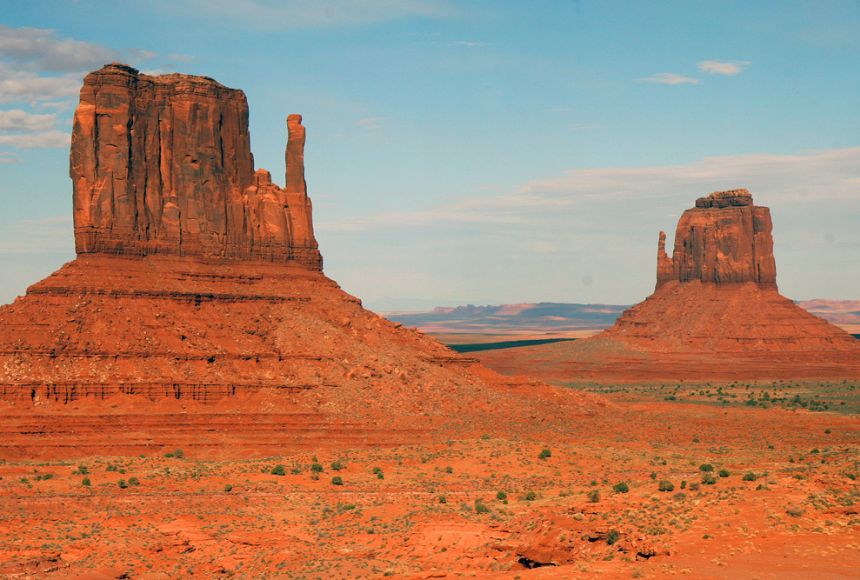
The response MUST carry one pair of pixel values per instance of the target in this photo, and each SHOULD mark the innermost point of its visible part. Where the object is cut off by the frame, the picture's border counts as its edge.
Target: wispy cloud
(43, 50)
(718, 67)
(29, 87)
(6, 158)
(669, 79)
(284, 14)
(467, 43)
(814, 176)
(36, 140)
(370, 122)
(18, 120)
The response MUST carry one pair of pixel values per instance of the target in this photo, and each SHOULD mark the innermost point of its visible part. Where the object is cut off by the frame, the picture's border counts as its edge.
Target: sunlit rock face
(163, 165)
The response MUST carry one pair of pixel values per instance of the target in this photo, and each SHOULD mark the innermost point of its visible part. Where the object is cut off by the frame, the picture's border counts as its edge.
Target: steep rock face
(163, 165)
(725, 239)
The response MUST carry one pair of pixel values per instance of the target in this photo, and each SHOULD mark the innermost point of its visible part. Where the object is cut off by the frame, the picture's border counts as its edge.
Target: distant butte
(196, 315)
(715, 314)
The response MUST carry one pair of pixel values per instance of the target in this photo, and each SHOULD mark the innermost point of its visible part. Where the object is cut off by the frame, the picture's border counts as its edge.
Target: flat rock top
(728, 198)
(117, 69)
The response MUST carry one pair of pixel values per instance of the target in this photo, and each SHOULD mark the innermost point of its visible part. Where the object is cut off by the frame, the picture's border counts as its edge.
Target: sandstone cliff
(163, 165)
(724, 239)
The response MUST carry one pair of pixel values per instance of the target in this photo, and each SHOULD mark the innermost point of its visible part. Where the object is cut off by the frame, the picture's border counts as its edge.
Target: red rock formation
(163, 165)
(715, 314)
(725, 239)
(195, 314)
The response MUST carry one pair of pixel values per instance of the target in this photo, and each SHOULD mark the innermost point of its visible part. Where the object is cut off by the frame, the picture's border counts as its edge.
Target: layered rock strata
(163, 165)
(724, 239)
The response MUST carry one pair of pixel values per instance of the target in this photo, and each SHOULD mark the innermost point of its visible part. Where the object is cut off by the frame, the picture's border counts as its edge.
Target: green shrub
(530, 496)
(749, 476)
(480, 508)
(501, 496)
(683, 484)
(228, 488)
(442, 499)
(278, 470)
(612, 537)
(133, 481)
(316, 467)
(545, 454)
(377, 470)
(621, 487)
(724, 473)
(122, 484)
(449, 469)
(594, 496)
(337, 480)
(178, 454)
(709, 479)
(338, 465)
(706, 467)
(665, 485)
(83, 470)
(86, 482)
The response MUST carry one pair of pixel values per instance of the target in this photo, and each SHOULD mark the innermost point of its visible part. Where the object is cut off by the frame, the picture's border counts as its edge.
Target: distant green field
(504, 344)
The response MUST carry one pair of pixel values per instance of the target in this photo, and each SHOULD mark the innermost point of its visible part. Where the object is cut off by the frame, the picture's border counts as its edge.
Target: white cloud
(36, 140)
(717, 67)
(268, 14)
(370, 122)
(18, 120)
(42, 50)
(29, 87)
(669, 79)
(807, 177)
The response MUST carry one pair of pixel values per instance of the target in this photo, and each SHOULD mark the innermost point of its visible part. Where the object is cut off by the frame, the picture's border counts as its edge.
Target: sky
(478, 151)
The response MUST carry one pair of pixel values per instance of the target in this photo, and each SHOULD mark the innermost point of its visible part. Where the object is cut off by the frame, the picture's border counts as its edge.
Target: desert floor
(781, 500)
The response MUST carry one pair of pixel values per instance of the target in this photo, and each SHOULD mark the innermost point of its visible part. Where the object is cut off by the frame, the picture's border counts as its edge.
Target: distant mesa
(163, 165)
(715, 314)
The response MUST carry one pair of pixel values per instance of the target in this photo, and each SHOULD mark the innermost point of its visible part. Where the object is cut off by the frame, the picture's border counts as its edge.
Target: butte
(196, 314)
(716, 314)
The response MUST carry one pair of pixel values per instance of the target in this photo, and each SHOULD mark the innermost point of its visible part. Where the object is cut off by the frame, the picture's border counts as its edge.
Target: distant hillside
(555, 317)
(512, 318)
(842, 312)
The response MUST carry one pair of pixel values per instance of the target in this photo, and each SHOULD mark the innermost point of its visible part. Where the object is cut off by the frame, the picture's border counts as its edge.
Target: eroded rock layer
(117, 354)
(163, 165)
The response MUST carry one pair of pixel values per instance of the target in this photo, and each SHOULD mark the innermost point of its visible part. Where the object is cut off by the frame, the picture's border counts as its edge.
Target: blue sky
(478, 151)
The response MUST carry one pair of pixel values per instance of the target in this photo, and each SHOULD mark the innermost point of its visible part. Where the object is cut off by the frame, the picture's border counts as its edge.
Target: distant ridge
(552, 317)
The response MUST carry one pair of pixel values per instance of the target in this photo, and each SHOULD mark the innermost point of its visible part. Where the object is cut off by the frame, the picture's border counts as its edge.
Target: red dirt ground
(796, 516)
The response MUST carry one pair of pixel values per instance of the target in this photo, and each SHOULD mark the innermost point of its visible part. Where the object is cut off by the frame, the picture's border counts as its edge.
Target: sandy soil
(785, 506)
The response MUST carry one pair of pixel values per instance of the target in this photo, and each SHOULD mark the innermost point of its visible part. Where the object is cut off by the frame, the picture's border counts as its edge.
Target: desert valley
(193, 396)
